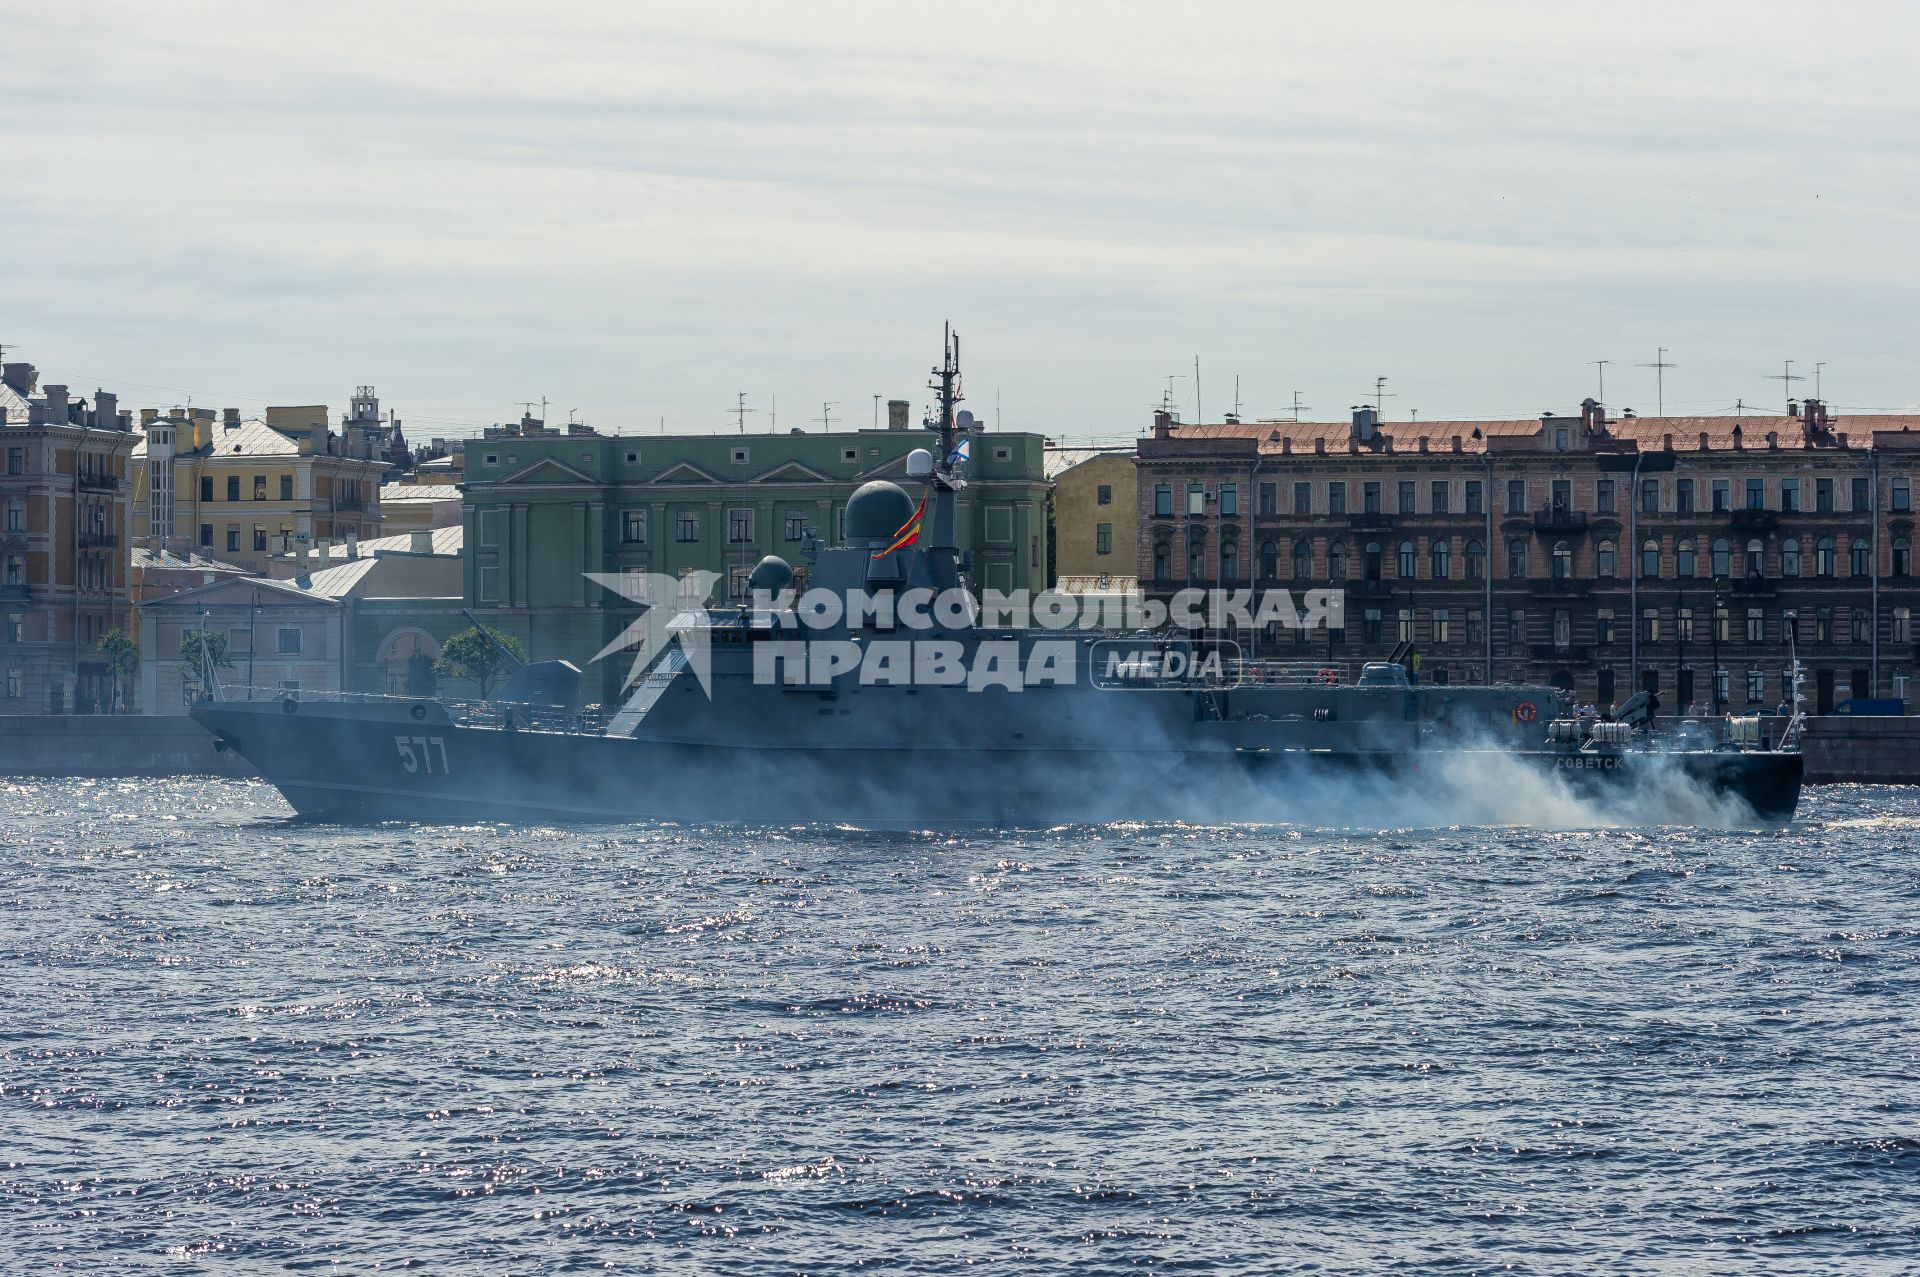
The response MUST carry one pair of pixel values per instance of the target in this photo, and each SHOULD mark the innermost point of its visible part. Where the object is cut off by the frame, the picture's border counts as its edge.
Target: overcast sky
(639, 209)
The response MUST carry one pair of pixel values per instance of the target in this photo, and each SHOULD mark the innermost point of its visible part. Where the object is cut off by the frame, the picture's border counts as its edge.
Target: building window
(1370, 625)
(740, 456)
(1902, 556)
(1603, 626)
(233, 536)
(1860, 557)
(849, 454)
(16, 569)
(1162, 561)
(1370, 498)
(1756, 560)
(1269, 498)
(1756, 494)
(1404, 630)
(633, 458)
(1516, 631)
(1683, 496)
(259, 539)
(1683, 624)
(233, 487)
(1103, 538)
(1476, 555)
(1196, 552)
(1516, 496)
(206, 487)
(1823, 557)
(1103, 495)
(1560, 438)
(1789, 496)
(1902, 496)
(1440, 558)
(1823, 495)
(1650, 625)
(739, 526)
(796, 526)
(1438, 493)
(686, 526)
(1229, 499)
(1516, 558)
(1756, 625)
(287, 640)
(1003, 454)
(1603, 558)
(1823, 625)
(1903, 625)
(1860, 501)
(1473, 497)
(1406, 561)
(16, 460)
(1720, 694)
(1196, 498)
(1720, 625)
(16, 514)
(633, 527)
(1336, 497)
(1163, 498)
(1562, 498)
(1790, 557)
(1603, 496)
(259, 487)
(1442, 625)
(286, 487)
(1650, 558)
(1722, 495)
(1562, 561)
(1229, 558)
(206, 535)
(1649, 496)
(1406, 496)
(1684, 566)
(1722, 557)
(1476, 626)
(1302, 560)
(1756, 686)
(1269, 561)
(1562, 629)
(1337, 561)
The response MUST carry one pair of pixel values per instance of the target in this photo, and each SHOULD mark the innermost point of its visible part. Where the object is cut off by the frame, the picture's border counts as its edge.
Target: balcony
(99, 483)
(98, 540)
(1371, 519)
(1754, 585)
(1559, 519)
(1754, 520)
(1570, 586)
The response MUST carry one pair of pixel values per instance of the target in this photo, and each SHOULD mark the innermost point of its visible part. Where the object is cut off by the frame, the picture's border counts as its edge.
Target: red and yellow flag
(908, 532)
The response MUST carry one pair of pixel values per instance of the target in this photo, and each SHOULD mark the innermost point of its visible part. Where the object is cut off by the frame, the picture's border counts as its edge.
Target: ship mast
(942, 553)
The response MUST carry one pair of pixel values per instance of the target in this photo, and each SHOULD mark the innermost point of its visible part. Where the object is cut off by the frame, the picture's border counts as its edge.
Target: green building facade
(542, 512)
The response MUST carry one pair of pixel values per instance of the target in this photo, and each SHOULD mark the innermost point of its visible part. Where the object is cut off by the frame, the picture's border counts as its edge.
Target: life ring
(1525, 711)
(1329, 677)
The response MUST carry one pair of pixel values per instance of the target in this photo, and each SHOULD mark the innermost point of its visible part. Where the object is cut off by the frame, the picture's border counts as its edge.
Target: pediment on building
(547, 470)
(684, 472)
(792, 472)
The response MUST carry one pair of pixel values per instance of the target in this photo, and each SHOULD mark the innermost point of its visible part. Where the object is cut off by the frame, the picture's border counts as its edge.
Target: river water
(231, 1042)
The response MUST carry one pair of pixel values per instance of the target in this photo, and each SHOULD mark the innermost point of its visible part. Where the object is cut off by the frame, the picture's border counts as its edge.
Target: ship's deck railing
(467, 713)
(1289, 673)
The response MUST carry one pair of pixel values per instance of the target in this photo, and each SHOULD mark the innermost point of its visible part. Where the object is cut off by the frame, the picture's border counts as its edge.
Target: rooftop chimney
(1162, 425)
(353, 545)
(1366, 421)
(421, 541)
(21, 377)
(230, 418)
(1793, 410)
(896, 414)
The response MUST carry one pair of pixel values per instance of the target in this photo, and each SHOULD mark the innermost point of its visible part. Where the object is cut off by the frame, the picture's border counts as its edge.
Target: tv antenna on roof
(826, 415)
(1298, 407)
(1601, 364)
(1816, 375)
(1660, 366)
(1166, 401)
(1380, 395)
(1786, 377)
(740, 409)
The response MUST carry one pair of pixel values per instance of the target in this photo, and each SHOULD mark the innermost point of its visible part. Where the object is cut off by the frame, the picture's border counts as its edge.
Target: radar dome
(877, 511)
(919, 463)
(772, 574)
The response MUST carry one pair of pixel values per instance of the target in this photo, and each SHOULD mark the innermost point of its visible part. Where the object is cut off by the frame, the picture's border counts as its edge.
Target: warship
(898, 714)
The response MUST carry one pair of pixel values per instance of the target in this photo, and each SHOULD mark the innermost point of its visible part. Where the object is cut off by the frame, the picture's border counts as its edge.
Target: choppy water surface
(230, 1042)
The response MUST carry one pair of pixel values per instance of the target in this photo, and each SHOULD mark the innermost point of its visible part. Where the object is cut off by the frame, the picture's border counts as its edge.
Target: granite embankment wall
(111, 745)
(1840, 747)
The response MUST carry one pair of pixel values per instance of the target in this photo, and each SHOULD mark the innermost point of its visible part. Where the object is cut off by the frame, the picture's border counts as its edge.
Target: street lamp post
(1719, 605)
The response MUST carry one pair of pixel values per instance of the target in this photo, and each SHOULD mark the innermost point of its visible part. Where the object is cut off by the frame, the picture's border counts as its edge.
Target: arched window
(1370, 564)
(1516, 557)
(1162, 561)
(1650, 558)
(1823, 557)
(1476, 561)
(1722, 557)
(1229, 561)
(1302, 560)
(1337, 561)
(1196, 552)
(1440, 558)
(1406, 564)
(1756, 559)
(1902, 556)
(1683, 565)
(1860, 558)
(1562, 561)
(1269, 561)
(1790, 557)
(1603, 558)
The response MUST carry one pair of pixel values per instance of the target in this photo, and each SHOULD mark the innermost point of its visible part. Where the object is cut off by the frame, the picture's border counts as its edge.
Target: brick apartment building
(1672, 553)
